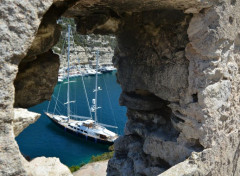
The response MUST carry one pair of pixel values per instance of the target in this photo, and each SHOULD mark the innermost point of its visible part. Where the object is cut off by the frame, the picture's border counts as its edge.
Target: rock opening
(167, 51)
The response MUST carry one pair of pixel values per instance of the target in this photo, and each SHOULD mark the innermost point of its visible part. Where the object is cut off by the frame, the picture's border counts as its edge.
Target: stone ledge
(22, 119)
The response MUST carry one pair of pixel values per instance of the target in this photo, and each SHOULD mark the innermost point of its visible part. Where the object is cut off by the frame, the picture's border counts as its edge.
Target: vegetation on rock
(102, 157)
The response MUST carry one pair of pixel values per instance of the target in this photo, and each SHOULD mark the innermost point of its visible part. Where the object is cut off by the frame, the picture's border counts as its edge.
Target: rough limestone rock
(36, 79)
(22, 119)
(86, 56)
(46, 166)
(93, 169)
(178, 65)
(19, 23)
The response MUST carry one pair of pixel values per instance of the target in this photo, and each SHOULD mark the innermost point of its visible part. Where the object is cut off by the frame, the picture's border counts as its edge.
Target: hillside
(84, 47)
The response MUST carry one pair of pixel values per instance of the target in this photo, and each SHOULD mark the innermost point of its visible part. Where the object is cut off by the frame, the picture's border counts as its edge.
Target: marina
(84, 70)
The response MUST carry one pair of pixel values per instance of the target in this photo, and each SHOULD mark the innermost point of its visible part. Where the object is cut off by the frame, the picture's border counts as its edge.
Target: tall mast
(96, 85)
(68, 88)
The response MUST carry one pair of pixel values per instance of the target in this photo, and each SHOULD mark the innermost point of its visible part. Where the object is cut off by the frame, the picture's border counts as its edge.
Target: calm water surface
(44, 138)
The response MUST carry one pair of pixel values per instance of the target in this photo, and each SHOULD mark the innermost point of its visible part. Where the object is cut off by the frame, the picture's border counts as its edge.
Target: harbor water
(44, 138)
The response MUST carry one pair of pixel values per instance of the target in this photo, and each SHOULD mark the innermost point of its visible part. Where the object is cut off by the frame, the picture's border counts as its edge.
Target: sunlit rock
(46, 166)
(22, 119)
(185, 54)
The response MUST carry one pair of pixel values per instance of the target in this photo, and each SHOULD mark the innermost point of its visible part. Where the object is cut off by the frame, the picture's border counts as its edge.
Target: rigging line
(58, 112)
(58, 107)
(84, 87)
(61, 104)
(71, 112)
(68, 58)
(113, 114)
(48, 105)
(75, 85)
(96, 85)
(57, 98)
(73, 51)
(75, 94)
(63, 50)
(60, 84)
(59, 101)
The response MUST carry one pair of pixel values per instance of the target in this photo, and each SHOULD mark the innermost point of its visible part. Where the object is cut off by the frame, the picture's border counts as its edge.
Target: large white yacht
(87, 127)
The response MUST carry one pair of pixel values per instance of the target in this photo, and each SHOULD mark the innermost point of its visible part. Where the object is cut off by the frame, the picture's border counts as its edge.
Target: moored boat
(87, 127)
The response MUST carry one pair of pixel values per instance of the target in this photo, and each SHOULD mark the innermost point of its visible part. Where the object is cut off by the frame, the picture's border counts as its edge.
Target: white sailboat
(87, 127)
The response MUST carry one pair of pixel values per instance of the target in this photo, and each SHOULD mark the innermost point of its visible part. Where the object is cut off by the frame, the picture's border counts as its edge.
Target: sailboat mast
(96, 85)
(68, 88)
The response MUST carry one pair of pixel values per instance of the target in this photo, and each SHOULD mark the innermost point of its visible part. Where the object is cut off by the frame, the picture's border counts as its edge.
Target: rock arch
(178, 65)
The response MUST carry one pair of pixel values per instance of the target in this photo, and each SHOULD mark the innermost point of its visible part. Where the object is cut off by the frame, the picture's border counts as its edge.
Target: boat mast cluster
(93, 109)
(94, 106)
(68, 89)
(94, 101)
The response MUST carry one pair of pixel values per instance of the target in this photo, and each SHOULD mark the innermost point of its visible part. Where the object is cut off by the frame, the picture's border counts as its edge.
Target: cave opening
(152, 71)
(38, 74)
(178, 68)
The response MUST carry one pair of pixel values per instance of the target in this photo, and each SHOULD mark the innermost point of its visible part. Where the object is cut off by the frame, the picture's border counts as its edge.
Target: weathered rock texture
(19, 22)
(93, 169)
(46, 166)
(191, 63)
(153, 72)
(178, 64)
(22, 119)
(36, 79)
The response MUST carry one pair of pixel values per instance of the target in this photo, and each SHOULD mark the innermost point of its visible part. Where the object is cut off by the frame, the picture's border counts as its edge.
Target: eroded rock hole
(233, 2)
(142, 101)
(153, 71)
(197, 146)
(231, 20)
(195, 98)
(38, 73)
(176, 119)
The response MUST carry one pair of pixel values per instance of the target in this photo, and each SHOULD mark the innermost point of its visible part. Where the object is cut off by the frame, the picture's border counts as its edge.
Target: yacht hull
(78, 134)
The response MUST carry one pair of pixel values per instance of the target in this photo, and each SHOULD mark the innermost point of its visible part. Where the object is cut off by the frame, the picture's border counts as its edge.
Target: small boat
(90, 71)
(87, 127)
(60, 80)
(106, 69)
(110, 68)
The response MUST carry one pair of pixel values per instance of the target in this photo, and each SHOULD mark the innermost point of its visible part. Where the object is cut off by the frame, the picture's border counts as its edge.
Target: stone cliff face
(36, 79)
(178, 64)
(153, 73)
(21, 44)
(19, 22)
(85, 53)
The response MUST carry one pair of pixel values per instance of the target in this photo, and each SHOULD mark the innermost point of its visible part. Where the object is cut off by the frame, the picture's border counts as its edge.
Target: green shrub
(75, 168)
(102, 157)
(111, 148)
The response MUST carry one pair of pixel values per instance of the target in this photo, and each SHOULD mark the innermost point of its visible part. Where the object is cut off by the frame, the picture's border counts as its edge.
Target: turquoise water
(44, 138)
